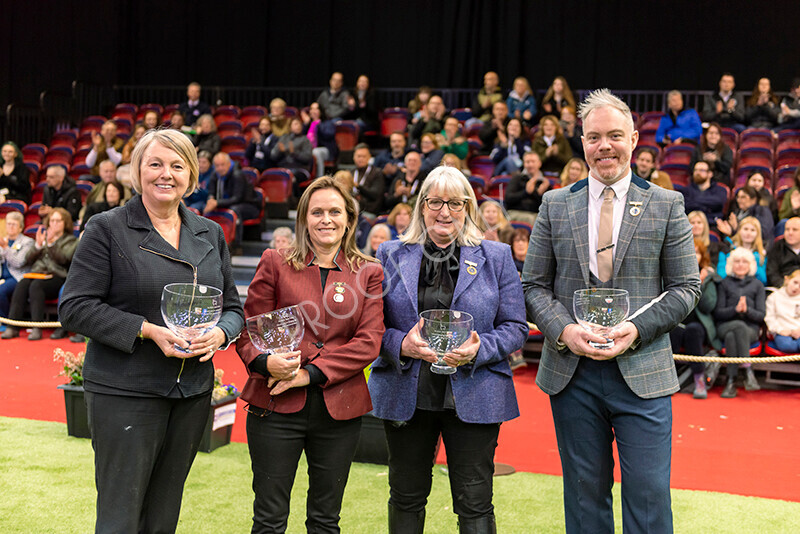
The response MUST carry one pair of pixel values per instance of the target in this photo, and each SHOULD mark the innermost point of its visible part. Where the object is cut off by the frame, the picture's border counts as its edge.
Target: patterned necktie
(605, 233)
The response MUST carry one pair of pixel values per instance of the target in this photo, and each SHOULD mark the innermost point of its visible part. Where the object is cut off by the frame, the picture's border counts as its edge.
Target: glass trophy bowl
(443, 331)
(600, 311)
(190, 310)
(277, 331)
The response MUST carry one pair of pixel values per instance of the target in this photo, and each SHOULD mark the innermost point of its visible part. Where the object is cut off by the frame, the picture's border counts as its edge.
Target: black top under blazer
(115, 282)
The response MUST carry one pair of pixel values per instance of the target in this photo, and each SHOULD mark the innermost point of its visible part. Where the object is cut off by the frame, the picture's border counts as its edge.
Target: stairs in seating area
(244, 265)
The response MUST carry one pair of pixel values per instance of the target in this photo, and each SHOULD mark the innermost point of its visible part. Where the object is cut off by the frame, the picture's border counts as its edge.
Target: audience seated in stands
(521, 102)
(679, 124)
(229, 189)
(765, 198)
(50, 258)
(789, 116)
(558, 96)
(784, 256)
(333, 105)
(572, 131)
(782, 318)
(377, 235)
(361, 105)
(416, 104)
(487, 97)
(193, 107)
(399, 219)
(700, 231)
(363, 225)
(178, 122)
(282, 237)
(206, 137)
(198, 198)
(762, 106)
(431, 153)
(510, 147)
(716, 152)
(519, 247)
(405, 186)
(645, 167)
(746, 205)
(105, 145)
(127, 149)
(524, 193)
(15, 183)
(108, 174)
(749, 237)
(312, 120)
(493, 222)
(293, 150)
(488, 132)
(391, 161)
(60, 192)
(725, 107)
(431, 120)
(113, 196)
(259, 149)
(451, 141)
(279, 121)
(369, 184)
(14, 250)
(698, 330)
(451, 160)
(703, 193)
(574, 171)
(151, 119)
(551, 145)
(739, 313)
(790, 205)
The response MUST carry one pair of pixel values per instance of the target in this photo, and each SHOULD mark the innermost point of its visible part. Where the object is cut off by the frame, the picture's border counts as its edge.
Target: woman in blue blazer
(442, 261)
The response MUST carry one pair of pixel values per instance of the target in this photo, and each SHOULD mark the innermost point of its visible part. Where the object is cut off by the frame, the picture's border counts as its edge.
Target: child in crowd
(749, 237)
(783, 314)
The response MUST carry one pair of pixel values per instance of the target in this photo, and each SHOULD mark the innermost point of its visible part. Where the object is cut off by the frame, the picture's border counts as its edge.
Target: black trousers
(737, 335)
(470, 461)
(690, 338)
(143, 450)
(276, 441)
(36, 292)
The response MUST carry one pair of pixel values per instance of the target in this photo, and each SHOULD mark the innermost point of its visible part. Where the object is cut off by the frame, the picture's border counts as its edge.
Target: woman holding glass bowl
(148, 391)
(311, 400)
(443, 262)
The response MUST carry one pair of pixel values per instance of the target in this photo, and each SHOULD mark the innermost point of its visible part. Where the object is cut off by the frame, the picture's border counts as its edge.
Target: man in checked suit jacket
(622, 392)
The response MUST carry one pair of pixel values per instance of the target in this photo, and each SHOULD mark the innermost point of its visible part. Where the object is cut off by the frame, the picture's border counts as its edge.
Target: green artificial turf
(47, 482)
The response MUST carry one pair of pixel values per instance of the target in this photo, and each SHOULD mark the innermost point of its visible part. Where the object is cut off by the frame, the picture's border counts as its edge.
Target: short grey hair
(741, 252)
(674, 92)
(601, 98)
(16, 216)
(282, 231)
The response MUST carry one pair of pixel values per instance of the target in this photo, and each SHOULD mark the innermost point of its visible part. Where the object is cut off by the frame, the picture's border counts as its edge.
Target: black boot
(406, 522)
(479, 525)
(730, 389)
(10, 333)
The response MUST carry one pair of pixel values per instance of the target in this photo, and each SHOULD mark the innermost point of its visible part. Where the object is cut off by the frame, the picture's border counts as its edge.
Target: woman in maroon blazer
(312, 399)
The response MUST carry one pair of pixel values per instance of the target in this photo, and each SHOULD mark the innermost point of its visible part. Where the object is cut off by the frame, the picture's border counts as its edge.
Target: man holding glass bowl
(611, 230)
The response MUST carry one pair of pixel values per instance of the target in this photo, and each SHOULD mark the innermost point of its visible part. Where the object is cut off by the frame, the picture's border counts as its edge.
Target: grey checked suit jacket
(654, 254)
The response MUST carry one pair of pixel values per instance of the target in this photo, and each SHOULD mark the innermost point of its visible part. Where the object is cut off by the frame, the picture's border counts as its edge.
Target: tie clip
(599, 250)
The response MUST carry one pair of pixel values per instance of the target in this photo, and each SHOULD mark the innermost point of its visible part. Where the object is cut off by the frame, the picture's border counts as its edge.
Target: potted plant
(221, 415)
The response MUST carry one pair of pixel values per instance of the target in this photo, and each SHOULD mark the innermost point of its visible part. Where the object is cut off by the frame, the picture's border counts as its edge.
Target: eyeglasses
(436, 204)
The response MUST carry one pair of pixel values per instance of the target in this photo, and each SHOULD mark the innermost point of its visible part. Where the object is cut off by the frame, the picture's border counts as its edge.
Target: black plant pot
(372, 447)
(77, 418)
(221, 416)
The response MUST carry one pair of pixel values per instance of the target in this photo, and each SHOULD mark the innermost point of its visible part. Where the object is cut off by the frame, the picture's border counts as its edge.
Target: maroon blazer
(341, 338)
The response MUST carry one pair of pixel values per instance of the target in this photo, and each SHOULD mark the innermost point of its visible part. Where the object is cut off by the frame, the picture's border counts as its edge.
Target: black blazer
(115, 282)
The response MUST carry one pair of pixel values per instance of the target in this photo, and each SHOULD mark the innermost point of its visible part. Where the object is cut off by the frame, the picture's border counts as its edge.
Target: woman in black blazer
(147, 402)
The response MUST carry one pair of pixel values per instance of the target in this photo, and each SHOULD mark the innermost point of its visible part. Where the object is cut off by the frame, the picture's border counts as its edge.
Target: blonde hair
(452, 182)
(298, 253)
(402, 206)
(758, 244)
(564, 177)
(502, 220)
(174, 140)
(702, 216)
(743, 253)
(602, 98)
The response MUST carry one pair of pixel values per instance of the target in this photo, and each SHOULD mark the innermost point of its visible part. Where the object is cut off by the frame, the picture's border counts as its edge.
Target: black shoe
(10, 333)
(480, 525)
(78, 338)
(35, 335)
(750, 382)
(730, 390)
(406, 522)
(59, 333)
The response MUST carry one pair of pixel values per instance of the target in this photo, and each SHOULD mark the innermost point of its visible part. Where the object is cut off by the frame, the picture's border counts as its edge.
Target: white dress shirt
(596, 188)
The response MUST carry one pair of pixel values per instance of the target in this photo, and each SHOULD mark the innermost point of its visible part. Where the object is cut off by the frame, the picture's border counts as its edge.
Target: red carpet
(746, 446)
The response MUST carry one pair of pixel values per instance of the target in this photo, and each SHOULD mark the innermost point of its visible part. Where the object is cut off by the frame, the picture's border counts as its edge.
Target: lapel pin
(635, 208)
(471, 267)
(338, 291)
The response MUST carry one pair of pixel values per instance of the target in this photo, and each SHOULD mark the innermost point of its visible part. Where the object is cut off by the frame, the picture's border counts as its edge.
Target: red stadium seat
(394, 120)
(346, 135)
(497, 188)
(276, 184)
(227, 219)
(482, 167)
(261, 201)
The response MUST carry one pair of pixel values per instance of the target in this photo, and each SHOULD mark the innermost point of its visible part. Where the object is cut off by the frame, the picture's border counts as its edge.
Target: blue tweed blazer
(484, 390)
(654, 255)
